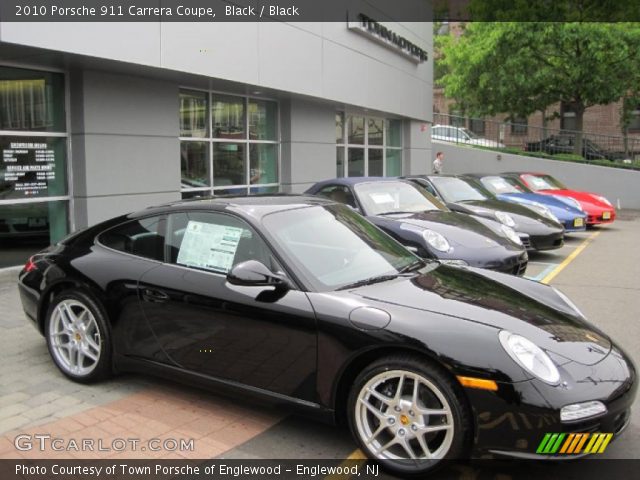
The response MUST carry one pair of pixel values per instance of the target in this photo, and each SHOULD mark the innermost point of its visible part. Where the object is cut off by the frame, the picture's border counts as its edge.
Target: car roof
(251, 205)
(350, 181)
(523, 173)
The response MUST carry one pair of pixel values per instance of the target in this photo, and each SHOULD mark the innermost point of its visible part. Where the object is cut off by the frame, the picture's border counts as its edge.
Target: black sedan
(425, 225)
(301, 301)
(466, 195)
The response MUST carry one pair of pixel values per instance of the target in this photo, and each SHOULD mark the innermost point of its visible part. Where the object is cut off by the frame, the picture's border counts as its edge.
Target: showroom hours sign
(28, 168)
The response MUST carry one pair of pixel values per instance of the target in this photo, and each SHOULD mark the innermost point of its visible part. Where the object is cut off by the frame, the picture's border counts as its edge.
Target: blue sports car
(566, 210)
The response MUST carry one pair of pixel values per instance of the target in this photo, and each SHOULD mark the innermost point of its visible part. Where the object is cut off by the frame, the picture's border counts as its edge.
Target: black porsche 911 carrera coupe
(302, 301)
(425, 225)
(467, 195)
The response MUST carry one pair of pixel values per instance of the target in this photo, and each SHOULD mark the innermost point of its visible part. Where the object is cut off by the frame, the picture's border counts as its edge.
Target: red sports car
(597, 207)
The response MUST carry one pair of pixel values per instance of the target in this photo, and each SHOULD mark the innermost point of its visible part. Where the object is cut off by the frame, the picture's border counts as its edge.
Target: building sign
(28, 168)
(368, 27)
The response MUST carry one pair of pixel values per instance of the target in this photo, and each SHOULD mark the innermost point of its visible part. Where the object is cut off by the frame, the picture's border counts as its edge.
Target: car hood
(457, 228)
(560, 208)
(521, 214)
(520, 306)
(583, 197)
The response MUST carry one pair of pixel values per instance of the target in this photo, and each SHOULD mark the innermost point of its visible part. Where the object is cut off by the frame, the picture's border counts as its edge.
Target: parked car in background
(510, 189)
(467, 195)
(555, 144)
(446, 133)
(302, 303)
(598, 208)
(426, 225)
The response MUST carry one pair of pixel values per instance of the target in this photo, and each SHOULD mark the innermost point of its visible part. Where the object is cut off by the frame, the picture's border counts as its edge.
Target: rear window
(143, 237)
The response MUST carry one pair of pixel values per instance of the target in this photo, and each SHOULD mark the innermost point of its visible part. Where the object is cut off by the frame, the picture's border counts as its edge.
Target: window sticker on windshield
(381, 198)
(208, 246)
(500, 185)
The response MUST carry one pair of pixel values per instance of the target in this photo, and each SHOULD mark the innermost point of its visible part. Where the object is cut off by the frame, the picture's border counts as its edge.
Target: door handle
(153, 295)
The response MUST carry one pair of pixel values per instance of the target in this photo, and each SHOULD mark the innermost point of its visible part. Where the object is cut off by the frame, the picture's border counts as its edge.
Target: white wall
(614, 183)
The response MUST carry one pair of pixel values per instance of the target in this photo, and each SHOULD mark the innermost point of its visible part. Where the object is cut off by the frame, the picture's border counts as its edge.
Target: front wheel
(78, 337)
(408, 414)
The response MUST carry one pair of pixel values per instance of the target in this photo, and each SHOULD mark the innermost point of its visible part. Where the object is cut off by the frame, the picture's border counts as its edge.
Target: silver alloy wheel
(400, 415)
(74, 337)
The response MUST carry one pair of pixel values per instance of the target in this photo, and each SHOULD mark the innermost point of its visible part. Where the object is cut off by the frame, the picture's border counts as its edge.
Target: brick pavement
(35, 398)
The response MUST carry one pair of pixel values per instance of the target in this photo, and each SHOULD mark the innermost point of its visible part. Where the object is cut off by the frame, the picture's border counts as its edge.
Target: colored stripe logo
(574, 443)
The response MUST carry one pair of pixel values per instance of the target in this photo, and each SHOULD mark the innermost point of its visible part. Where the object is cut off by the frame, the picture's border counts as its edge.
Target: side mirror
(255, 274)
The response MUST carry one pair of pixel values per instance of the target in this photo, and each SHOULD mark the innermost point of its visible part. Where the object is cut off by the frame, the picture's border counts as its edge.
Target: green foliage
(519, 68)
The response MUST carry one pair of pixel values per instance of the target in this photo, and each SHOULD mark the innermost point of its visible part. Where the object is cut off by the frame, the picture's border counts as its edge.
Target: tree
(522, 67)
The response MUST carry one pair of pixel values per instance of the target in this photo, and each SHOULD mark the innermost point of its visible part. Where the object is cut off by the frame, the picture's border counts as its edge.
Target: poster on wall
(31, 167)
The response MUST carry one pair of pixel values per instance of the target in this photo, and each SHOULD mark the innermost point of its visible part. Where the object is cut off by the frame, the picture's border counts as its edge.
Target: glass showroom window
(228, 144)
(368, 146)
(33, 162)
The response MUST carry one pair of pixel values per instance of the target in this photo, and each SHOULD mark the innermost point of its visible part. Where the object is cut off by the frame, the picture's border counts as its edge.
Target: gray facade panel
(127, 164)
(97, 209)
(134, 42)
(222, 50)
(127, 105)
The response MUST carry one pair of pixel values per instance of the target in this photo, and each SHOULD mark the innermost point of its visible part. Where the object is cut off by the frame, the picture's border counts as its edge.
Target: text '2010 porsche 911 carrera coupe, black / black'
(304, 302)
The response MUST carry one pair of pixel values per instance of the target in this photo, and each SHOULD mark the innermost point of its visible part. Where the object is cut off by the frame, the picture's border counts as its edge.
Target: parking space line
(551, 275)
(550, 267)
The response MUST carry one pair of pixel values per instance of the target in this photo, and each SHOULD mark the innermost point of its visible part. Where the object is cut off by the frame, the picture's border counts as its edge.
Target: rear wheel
(408, 414)
(78, 337)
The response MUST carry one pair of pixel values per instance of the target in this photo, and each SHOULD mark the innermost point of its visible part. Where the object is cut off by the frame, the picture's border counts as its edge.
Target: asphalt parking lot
(599, 269)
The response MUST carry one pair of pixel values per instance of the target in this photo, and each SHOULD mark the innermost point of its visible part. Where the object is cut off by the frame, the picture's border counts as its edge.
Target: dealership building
(99, 119)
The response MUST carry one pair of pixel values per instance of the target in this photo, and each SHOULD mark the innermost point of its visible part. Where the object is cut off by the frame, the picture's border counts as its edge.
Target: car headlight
(530, 357)
(569, 303)
(505, 219)
(436, 240)
(603, 200)
(544, 211)
(511, 234)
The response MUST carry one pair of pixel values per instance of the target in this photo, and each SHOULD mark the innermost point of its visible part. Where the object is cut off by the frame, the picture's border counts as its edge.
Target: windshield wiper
(404, 272)
(370, 281)
(398, 212)
(418, 264)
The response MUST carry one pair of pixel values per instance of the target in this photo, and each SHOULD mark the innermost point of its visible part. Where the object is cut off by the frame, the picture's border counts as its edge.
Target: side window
(437, 131)
(339, 194)
(143, 237)
(214, 242)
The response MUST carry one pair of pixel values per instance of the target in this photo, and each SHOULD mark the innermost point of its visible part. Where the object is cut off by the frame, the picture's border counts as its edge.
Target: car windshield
(469, 132)
(332, 246)
(543, 182)
(499, 185)
(454, 190)
(383, 198)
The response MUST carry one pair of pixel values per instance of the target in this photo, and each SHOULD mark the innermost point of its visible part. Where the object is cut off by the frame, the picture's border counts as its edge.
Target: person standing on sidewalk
(438, 163)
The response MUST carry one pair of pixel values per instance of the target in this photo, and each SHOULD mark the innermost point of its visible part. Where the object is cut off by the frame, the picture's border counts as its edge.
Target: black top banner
(318, 10)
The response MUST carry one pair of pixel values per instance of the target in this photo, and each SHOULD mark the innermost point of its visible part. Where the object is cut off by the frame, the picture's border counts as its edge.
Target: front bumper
(515, 264)
(514, 420)
(599, 217)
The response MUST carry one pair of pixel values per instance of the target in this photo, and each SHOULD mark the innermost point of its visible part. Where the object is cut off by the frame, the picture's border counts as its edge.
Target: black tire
(77, 300)
(459, 415)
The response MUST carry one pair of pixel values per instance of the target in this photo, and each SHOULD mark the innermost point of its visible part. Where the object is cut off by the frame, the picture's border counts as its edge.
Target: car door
(205, 325)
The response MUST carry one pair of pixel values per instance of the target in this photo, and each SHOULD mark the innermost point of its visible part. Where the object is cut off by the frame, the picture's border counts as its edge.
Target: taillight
(30, 266)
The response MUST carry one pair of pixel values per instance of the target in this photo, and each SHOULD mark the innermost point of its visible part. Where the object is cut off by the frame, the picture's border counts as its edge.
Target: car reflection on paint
(301, 301)
(423, 223)
(466, 195)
